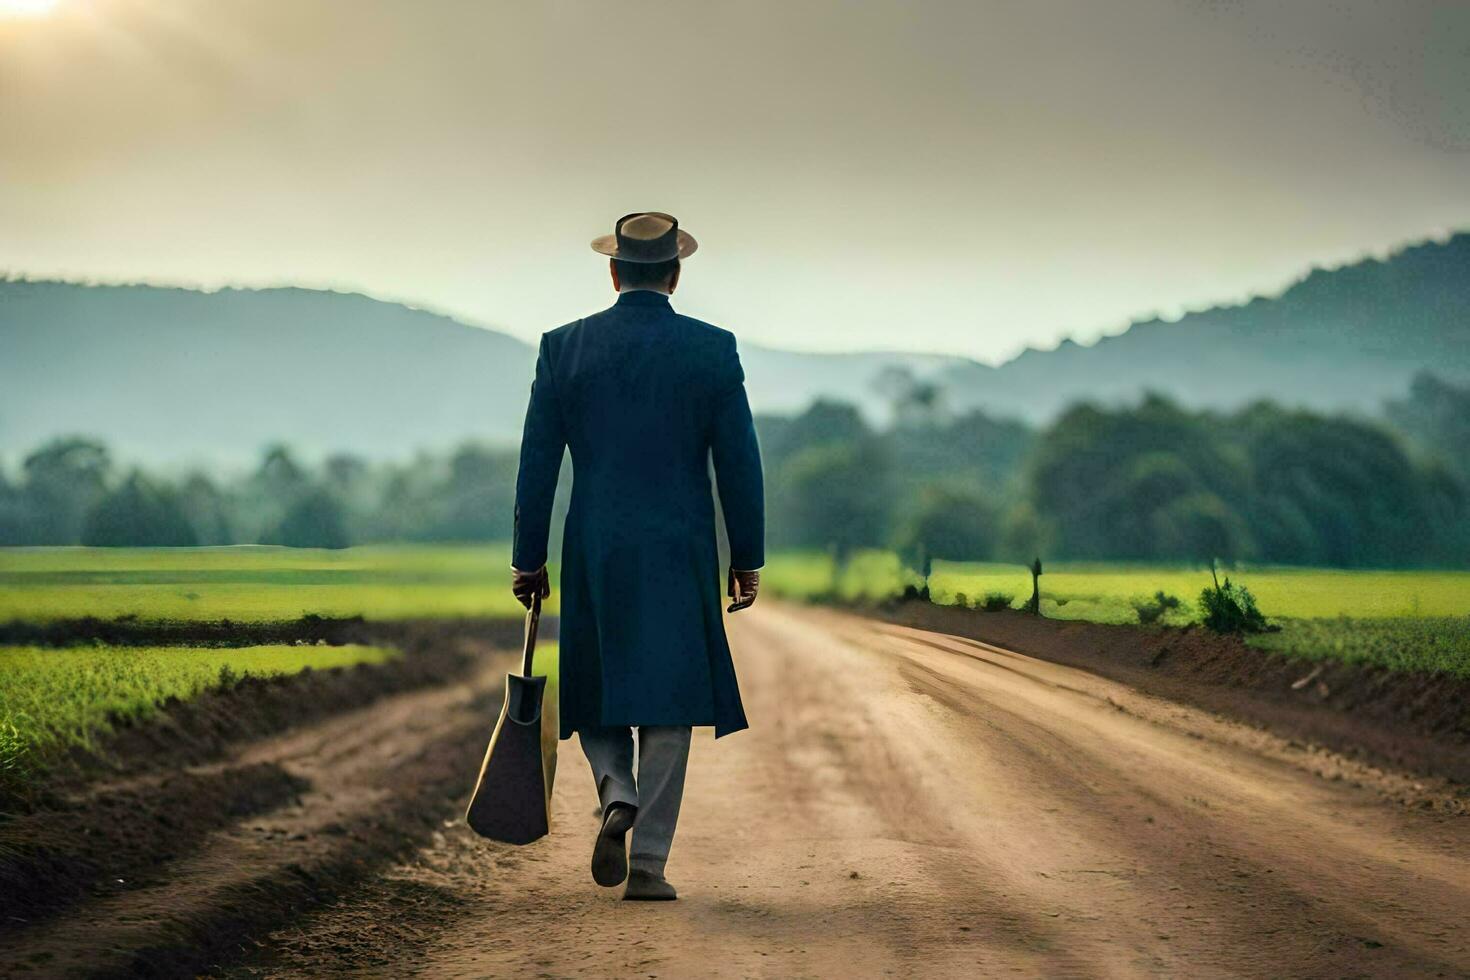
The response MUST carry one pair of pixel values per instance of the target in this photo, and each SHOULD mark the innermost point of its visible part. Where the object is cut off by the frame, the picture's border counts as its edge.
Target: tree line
(1152, 481)
(71, 491)
(1147, 482)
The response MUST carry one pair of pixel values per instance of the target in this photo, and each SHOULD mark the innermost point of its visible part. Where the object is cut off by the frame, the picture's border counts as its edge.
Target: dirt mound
(340, 799)
(107, 820)
(1414, 722)
(132, 631)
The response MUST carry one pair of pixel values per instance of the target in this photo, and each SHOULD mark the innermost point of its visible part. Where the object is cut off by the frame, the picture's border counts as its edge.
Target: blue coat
(644, 398)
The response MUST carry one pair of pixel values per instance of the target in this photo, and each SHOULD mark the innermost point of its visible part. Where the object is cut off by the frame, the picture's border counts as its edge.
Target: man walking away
(644, 398)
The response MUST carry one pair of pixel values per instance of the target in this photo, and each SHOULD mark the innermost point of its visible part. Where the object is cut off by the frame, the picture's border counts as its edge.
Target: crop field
(53, 698)
(215, 815)
(1407, 620)
(255, 584)
(1104, 593)
(1435, 644)
(1403, 620)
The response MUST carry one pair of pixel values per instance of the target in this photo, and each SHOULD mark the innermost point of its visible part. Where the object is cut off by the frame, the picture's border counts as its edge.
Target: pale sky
(965, 177)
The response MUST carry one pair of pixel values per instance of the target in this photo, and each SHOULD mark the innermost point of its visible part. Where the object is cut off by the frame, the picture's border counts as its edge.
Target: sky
(962, 177)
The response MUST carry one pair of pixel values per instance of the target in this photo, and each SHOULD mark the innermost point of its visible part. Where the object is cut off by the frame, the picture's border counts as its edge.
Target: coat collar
(643, 297)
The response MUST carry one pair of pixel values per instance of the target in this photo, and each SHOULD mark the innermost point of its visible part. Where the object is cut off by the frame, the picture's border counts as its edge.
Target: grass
(1412, 620)
(1104, 593)
(1438, 644)
(52, 699)
(256, 584)
(809, 575)
(1409, 620)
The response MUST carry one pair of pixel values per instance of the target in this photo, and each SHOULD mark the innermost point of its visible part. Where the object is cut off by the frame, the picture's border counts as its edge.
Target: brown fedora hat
(646, 236)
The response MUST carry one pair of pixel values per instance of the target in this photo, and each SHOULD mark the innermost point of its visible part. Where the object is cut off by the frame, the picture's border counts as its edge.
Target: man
(644, 398)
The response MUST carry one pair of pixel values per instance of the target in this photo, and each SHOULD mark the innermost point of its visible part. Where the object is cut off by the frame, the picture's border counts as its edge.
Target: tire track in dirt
(910, 803)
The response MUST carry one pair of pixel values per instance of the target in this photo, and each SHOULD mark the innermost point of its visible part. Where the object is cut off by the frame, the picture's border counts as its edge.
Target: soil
(131, 631)
(907, 802)
(154, 790)
(1414, 722)
(910, 803)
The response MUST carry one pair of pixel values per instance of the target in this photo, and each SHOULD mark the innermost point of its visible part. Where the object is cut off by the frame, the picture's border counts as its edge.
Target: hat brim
(608, 245)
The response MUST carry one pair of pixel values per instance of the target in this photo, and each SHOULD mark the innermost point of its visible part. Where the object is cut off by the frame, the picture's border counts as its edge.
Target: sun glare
(27, 8)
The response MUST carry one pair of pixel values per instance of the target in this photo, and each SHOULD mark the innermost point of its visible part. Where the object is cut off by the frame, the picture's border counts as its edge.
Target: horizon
(10, 276)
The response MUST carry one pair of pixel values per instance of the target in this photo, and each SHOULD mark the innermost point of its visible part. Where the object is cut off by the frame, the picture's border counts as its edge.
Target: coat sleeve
(737, 462)
(543, 442)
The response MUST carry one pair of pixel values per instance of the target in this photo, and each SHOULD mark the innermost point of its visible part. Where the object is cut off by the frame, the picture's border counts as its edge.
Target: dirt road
(908, 803)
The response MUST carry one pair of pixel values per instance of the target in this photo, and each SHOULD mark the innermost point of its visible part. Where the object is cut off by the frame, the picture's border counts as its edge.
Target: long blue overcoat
(644, 398)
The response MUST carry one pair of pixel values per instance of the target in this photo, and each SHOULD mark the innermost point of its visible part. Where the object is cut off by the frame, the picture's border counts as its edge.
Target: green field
(255, 584)
(1416, 620)
(52, 698)
(1438, 644)
(1104, 593)
(1408, 620)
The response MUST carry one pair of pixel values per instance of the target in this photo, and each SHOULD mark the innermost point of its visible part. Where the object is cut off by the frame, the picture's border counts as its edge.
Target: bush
(916, 593)
(1152, 610)
(1231, 608)
(996, 601)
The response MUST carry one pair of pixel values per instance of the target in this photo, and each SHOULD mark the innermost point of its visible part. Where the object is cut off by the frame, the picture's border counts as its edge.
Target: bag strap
(533, 620)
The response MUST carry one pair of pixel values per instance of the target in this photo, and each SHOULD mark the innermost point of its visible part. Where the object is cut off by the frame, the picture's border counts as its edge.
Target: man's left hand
(527, 585)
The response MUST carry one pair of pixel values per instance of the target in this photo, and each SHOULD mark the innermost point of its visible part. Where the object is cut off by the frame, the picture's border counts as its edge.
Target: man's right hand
(743, 587)
(527, 585)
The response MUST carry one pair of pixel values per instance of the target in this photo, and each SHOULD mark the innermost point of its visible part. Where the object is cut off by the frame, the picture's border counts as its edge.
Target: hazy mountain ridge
(164, 373)
(173, 374)
(786, 382)
(1338, 339)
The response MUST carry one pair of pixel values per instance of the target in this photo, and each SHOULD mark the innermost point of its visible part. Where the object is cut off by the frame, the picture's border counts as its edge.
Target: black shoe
(645, 886)
(610, 853)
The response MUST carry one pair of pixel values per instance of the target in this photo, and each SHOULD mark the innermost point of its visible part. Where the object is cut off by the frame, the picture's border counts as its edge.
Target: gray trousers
(663, 758)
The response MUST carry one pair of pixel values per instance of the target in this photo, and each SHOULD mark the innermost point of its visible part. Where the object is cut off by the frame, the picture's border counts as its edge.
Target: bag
(512, 799)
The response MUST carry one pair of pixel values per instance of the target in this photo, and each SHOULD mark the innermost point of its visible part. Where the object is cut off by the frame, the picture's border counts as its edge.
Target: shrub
(961, 600)
(1230, 608)
(1152, 610)
(915, 593)
(996, 601)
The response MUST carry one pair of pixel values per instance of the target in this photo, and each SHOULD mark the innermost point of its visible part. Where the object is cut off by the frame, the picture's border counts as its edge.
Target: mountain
(1348, 338)
(172, 375)
(175, 375)
(783, 382)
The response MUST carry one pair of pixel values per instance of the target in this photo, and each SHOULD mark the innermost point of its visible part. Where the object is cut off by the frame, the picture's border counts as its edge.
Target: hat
(646, 236)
